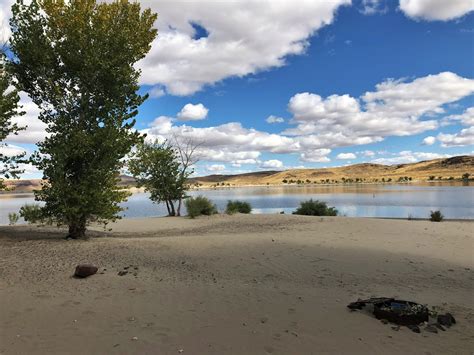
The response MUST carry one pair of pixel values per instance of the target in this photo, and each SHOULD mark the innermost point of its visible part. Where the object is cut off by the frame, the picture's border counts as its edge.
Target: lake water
(394, 201)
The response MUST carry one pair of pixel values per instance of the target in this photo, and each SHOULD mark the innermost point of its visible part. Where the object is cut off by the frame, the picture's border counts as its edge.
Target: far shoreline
(134, 189)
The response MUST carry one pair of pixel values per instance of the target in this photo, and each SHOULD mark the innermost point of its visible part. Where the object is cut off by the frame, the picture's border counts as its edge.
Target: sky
(273, 85)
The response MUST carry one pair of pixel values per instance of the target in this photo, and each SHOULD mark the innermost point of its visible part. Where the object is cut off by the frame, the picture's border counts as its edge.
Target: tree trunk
(178, 211)
(77, 230)
(173, 212)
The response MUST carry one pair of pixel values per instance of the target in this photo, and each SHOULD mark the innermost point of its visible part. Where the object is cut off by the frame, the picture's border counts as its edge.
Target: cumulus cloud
(192, 112)
(271, 164)
(466, 118)
(460, 139)
(274, 119)
(442, 10)
(10, 150)
(395, 108)
(35, 129)
(316, 155)
(408, 156)
(346, 156)
(430, 140)
(252, 36)
(156, 92)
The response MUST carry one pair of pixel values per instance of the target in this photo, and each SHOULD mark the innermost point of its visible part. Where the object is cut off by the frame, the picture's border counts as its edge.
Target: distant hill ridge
(447, 168)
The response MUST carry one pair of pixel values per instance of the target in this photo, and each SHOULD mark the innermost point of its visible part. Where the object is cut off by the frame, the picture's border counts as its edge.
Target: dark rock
(85, 270)
(414, 328)
(446, 319)
(397, 328)
(122, 273)
(440, 327)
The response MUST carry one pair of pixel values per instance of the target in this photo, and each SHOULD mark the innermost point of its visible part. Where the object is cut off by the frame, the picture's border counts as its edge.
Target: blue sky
(367, 81)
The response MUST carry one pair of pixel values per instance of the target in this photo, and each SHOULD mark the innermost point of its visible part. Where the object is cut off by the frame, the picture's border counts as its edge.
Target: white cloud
(271, 164)
(216, 168)
(316, 156)
(156, 92)
(395, 108)
(346, 156)
(408, 156)
(371, 7)
(192, 112)
(466, 118)
(274, 119)
(430, 140)
(460, 139)
(10, 150)
(5, 14)
(245, 37)
(442, 10)
(35, 129)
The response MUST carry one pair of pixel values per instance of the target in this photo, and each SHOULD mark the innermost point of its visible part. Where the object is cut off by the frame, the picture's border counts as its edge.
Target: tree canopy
(158, 168)
(76, 60)
(9, 108)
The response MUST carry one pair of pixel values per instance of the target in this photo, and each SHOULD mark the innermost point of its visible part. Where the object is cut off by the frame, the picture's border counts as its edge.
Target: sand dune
(253, 284)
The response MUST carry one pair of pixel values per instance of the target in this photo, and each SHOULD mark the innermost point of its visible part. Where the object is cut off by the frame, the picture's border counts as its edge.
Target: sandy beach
(255, 284)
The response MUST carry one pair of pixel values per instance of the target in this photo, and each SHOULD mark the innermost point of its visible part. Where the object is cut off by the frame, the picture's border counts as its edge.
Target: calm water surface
(396, 201)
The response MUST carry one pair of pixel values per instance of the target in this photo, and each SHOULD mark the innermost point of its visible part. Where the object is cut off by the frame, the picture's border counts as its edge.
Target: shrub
(200, 205)
(238, 207)
(315, 208)
(436, 216)
(13, 218)
(31, 213)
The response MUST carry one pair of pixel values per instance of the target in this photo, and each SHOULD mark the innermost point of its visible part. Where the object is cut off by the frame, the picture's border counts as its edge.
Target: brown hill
(450, 168)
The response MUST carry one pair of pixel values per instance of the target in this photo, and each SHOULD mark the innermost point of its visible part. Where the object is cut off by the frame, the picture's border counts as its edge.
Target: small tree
(156, 167)
(9, 108)
(466, 176)
(186, 150)
(76, 60)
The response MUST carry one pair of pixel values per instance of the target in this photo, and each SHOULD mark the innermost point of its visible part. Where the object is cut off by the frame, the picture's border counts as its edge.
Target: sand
(256, 284)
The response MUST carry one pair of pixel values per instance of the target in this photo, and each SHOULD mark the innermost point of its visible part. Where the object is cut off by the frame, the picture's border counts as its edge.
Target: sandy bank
(233, 285)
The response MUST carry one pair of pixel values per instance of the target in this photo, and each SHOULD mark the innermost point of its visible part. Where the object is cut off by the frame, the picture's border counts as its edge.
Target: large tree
(76, 60)
(9, 108)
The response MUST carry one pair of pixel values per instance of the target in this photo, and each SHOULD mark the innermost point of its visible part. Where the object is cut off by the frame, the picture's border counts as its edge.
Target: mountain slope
(451, 167)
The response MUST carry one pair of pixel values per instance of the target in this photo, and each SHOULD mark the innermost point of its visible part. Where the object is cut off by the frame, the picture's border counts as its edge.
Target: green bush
(13, 218)
(315, 208)
(238, 207)
(32, 213)
(436, 216)
(200, 205)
